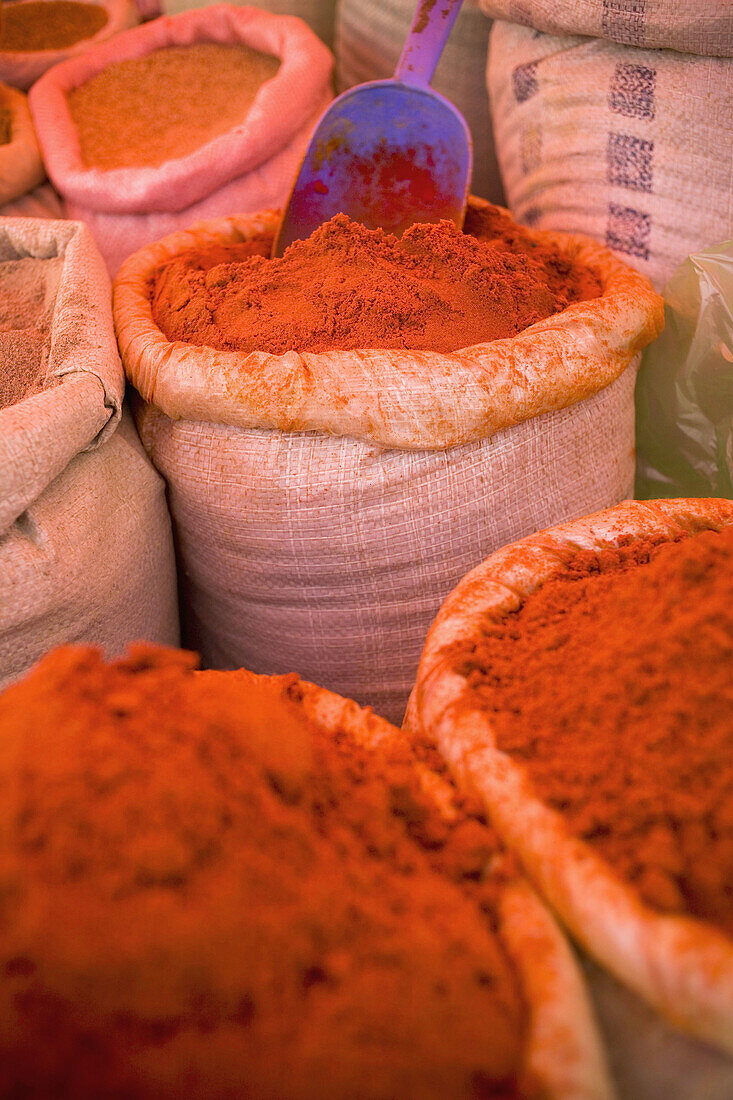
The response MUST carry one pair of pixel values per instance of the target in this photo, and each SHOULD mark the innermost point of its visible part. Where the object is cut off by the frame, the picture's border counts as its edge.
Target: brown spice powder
(243, 900)
(6, 124)
(613, 687)
(436, 288)
(28, 290)
(55, 25)
(165, 105)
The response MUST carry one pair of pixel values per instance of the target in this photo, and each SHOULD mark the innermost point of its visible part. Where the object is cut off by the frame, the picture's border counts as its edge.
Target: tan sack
(318, 14)
(21, 168)
(629, 146)
(85, 542)
(689, 26)
(21, 68)
(325, 504)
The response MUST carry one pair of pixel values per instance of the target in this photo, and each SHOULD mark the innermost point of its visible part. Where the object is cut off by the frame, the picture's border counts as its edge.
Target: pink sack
(22, 69)
(241, 171)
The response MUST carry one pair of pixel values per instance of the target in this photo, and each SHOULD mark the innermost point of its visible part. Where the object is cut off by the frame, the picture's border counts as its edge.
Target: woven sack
(629, 146)
(21, 168)
(683, 967)
(370, 35)
(23, 69)
(325, 504)
(85, 542)
(242, 170)
(689, 26)
(318, 14)
(42, 202)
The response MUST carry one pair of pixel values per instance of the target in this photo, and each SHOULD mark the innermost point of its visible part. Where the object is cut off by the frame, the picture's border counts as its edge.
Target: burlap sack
(22, 69)
(690, 26)
(85, 542)
(42, 202)
(243, 170)
(325, 504)
(370, 35)
(318, 14)
(629, 146)
(21, 168)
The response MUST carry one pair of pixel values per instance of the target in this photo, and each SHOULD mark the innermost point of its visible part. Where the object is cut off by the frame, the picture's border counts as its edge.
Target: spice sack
(628, 145)
(262, 81)
(38, 34)
(85, 541)
(326, 502)
(21, 168)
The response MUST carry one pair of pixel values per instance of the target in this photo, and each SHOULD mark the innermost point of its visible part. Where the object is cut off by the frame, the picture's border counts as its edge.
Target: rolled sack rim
(269, 126)
(21, 167)
(397, 399)
(24, 67)
(682, 966)
(81, 405)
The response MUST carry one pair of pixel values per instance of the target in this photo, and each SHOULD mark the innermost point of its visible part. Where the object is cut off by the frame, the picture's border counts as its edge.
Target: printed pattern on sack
(632, 91)
(623, 21)
(628, 230)
(629, 161)
(531, 148)
(524, 81)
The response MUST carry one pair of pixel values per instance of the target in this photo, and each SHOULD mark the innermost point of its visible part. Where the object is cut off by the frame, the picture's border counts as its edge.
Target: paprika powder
(52, 25)
(107, 109)
(206, 892)
(436, 288)
(612, 686)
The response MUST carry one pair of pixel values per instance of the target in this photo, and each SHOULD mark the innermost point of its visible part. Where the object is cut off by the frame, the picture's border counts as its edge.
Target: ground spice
(436, 288)
(28, 290)
(52, 25)
(157, 88)
(202, 888)
(613, 685)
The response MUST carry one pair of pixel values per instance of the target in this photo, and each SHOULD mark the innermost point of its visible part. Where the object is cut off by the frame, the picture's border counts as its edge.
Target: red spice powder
(205, 894)
(53, 25)
(613, 686)
(436, 288)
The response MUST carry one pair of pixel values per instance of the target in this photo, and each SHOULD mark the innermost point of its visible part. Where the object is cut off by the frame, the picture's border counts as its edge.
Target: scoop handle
(428, 35)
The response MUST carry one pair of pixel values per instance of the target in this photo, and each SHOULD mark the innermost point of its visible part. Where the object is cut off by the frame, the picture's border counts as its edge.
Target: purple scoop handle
(428, 35)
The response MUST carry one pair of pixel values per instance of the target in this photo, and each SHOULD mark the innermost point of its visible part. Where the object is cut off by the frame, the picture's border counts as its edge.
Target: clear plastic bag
(684, 395)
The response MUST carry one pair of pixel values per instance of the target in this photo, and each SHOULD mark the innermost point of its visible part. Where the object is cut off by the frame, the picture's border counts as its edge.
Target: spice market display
(361, 737)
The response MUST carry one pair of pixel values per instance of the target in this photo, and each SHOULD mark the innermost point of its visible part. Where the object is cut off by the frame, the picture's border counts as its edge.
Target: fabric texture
(23, 69)
(690, 26)
(21, 168)
(318, 14)
(85, 542)
(243, 170)
(627, 145)
(320, 530)
(370, 35)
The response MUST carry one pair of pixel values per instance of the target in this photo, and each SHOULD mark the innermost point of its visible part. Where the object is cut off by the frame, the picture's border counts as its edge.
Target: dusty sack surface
(192, 900)
(346, 287)
(612, 687)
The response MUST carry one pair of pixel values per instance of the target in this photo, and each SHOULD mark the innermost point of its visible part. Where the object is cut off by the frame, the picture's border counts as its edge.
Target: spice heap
(436, 288)
(157, 88)
(204, 889)
(53, 25)
(28, 290)
(613, 687)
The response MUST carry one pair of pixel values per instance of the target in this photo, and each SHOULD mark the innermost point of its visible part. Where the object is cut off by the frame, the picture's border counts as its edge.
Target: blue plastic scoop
(389, 153)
